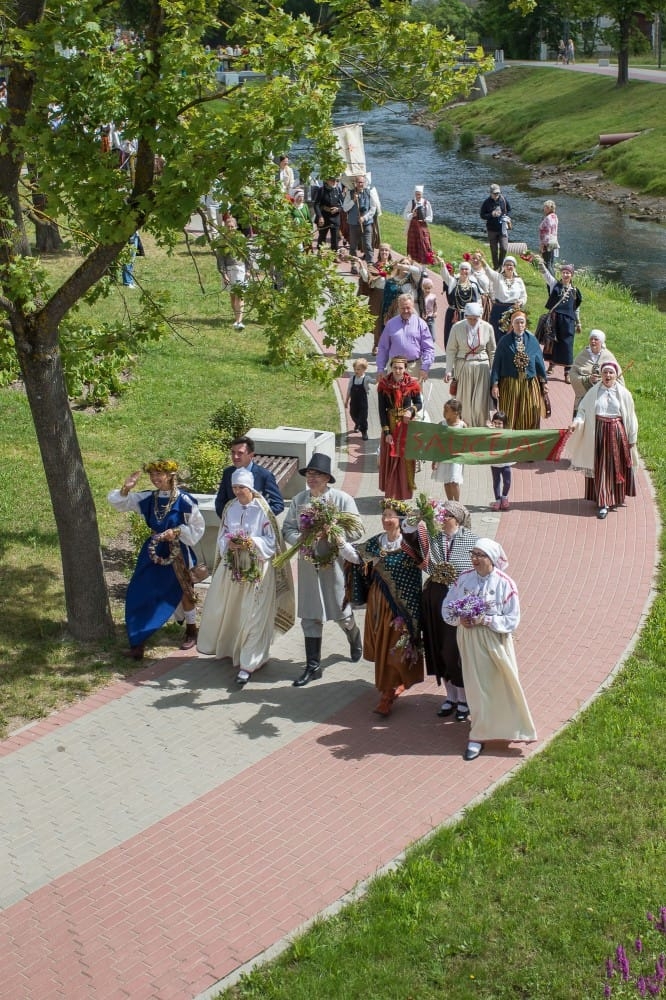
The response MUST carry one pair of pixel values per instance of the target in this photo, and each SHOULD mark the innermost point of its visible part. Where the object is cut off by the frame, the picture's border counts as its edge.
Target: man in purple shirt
(407, 336)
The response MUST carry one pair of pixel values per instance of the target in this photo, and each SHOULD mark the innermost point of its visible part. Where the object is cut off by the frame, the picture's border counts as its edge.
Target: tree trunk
(88, 611)
(47, 236)
(624, 27)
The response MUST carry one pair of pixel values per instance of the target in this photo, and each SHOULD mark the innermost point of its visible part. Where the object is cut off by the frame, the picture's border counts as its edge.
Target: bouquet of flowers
(424, 510)
(404, 643)
(242, 561)
(321, 521)
(471, 607)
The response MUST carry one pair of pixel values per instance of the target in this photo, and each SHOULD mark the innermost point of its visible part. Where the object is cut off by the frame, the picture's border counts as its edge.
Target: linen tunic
(495, 696)
(321, 592)
(238, 617)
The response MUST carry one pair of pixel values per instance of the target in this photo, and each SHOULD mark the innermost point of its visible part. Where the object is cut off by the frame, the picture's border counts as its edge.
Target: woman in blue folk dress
(161, 584)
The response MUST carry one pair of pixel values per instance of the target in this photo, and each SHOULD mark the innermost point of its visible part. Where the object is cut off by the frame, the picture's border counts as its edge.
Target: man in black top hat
(321, 585)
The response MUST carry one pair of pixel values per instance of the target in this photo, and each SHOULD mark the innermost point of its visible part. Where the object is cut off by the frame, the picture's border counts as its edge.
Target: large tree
(66, 79)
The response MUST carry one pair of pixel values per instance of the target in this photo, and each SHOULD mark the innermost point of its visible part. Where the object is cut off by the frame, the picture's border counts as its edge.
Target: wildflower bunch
(321, 521)
(471, 607)
(404, 644)
(242, 561)
(648, 976)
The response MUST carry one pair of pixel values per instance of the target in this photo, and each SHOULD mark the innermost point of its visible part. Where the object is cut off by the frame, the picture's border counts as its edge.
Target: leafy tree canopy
(65, 79)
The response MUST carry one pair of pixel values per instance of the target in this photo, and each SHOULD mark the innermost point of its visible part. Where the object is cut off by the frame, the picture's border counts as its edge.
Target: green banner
(481, 445)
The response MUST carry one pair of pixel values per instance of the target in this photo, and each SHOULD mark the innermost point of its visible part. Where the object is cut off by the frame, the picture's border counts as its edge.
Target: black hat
(319, 463)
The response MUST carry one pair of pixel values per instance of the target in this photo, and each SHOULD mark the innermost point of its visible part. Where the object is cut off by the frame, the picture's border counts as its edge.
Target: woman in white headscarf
(603, 442)
(484, 602)
(418, 212)
(586, 369)
(242, 609)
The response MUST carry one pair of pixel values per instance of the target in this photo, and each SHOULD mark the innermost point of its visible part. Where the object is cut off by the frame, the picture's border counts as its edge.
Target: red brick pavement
(175, 909)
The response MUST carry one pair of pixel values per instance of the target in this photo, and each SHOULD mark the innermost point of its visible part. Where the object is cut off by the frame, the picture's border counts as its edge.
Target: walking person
(450, 473)
(501, 473)
(445, 541)
(247, 600)
(469, 356)
(360, 208)
(484, 604)
(161, 585)
(389, 570)
(563, 304)
(549, 246)
(313, 524)
(399, 399)
(356, 400)
(603, 442)
(518, 379)
(496, 213)
(418, 212)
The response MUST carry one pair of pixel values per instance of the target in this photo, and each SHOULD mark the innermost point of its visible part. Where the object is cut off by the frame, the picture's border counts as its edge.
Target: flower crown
(161, 465)
(399, 506)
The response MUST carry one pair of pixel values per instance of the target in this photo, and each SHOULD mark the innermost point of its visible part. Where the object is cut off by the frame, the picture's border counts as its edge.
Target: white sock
(191, 617)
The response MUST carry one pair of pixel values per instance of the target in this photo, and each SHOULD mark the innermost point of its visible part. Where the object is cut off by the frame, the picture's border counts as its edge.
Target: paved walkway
(159, 835)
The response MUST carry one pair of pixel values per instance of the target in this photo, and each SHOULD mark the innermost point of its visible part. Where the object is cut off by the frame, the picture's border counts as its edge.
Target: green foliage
(451, 16)
(139, 532)
(444, 134)
(233, 418)
(467, 140)
(206, 460)
(207, 456)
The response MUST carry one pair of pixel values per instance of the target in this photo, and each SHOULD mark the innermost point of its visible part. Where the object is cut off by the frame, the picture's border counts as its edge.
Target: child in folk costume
(429, 305)
(501, 473)
(358, 389)
(450, 473)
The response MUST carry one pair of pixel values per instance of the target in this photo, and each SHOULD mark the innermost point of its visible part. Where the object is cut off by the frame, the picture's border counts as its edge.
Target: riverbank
(589, 184)
(527, 116)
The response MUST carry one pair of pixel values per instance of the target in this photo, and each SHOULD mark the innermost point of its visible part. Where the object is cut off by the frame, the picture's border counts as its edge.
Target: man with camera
(496, 213)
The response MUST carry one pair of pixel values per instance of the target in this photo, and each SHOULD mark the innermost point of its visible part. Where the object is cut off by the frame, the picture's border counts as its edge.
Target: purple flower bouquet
(471, 607)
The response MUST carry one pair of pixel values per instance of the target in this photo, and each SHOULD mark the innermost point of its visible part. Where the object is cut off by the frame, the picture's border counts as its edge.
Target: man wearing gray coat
(321, 590)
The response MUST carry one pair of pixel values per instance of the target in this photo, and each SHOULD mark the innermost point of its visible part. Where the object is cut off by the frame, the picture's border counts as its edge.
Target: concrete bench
(283, 467)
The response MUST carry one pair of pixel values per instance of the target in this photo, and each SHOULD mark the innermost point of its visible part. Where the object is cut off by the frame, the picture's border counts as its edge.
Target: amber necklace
(162, 512)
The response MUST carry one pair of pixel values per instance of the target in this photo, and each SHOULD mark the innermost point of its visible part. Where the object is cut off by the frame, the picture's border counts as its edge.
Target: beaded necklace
(161, 513)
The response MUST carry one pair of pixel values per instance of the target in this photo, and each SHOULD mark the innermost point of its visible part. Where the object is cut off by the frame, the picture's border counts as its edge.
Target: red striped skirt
(613, 472)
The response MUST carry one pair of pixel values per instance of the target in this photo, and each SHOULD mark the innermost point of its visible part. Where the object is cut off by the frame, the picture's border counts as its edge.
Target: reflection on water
(599, 237)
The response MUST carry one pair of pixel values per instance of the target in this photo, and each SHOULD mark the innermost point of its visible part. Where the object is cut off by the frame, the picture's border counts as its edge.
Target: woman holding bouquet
(484, 603)
(390, 569)
(242, 607)
(445, 540)
(399, 398)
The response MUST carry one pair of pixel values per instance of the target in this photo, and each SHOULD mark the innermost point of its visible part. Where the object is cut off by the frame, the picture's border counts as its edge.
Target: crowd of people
(437, 597)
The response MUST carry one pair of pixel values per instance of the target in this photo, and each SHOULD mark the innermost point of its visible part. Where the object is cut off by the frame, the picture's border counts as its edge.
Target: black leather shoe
(602, 513)
(445, 712)
(471, 753)
(462, 713)
(309, 674)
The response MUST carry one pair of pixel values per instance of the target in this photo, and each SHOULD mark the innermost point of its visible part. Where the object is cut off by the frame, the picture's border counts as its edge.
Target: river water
(600, 238)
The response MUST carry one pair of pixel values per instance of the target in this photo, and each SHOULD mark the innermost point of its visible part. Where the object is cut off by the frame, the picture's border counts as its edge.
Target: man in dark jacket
(242, 454)
(495, 212)
(327, 206)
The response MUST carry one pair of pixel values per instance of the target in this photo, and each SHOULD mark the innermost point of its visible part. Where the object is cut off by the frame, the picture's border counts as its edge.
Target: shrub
(208, 454)
(205, 461)
(467, 140)
(444, 134)
(233, 419)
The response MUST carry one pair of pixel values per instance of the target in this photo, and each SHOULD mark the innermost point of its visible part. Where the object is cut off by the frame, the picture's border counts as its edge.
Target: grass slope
(550, 116)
